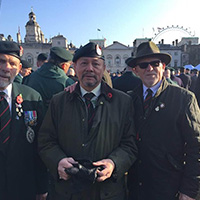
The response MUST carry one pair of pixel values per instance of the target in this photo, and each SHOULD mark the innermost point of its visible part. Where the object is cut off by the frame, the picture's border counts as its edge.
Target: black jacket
(168, 145)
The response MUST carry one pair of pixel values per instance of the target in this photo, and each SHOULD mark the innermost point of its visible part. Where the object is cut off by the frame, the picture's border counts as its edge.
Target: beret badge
(21, 51)
(98, 50)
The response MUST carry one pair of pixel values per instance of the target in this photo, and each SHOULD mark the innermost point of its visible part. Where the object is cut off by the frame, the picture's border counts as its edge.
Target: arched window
(117, 60)
(29, 58)
(109, 60)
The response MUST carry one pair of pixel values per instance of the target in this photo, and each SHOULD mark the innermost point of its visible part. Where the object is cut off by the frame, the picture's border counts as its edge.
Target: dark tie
(5, 119)
(90, 108)
(147, 100)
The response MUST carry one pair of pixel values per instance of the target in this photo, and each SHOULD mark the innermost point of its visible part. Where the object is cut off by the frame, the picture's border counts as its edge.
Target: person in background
(25, 71)
(51, 77)
(175, 78)
(23, 175)
(127, 81)
(41, 59)
(167, 120)
(186, 79)
(92, 126)
(194, 75)
(167, 75)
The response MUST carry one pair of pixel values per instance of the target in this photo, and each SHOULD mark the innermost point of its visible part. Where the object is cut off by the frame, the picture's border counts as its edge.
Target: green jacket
(64, 134)
(48, 80)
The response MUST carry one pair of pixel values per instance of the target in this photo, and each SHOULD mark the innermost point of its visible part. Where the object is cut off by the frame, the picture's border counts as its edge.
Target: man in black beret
(89, 129)
(167, 119)
(25, 71)
(23, 175)
(51, 77)
(41, 59)
(128, 80)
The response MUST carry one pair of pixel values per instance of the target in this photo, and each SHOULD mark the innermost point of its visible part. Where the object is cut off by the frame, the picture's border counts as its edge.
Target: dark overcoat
(127, 81)
(168, 145)
(64, 134)
(23, 175)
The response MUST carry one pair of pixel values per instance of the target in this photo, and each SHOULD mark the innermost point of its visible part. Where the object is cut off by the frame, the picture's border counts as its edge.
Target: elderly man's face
(9, 68)
(152, 74)
(89, 71)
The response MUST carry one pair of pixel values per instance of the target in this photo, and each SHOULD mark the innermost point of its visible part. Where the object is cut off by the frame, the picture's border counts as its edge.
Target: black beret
(42, 56)
(89, 50)
(26, 64)
(61, 53)
(11, 48)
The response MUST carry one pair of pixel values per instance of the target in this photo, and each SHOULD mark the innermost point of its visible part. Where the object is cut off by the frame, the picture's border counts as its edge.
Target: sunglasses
(144, 65)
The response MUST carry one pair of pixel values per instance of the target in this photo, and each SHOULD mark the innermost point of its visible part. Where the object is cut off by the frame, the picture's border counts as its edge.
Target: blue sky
(118, 20)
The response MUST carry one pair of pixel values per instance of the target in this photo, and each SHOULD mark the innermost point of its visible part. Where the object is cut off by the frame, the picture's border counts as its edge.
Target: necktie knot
(89, 96)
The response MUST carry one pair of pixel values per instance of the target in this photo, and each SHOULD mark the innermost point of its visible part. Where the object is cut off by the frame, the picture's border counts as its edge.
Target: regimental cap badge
(21, 51)
(98, 50)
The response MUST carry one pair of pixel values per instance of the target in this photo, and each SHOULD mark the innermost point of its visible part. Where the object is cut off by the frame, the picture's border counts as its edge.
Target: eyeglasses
(144, 65)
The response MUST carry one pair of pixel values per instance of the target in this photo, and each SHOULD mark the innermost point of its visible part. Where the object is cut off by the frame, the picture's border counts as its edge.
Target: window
(117, 60)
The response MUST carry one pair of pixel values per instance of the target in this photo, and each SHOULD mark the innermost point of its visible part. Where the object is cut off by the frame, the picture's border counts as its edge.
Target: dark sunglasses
(144, 65)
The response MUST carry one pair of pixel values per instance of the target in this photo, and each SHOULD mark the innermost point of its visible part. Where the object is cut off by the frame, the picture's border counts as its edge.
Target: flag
(98, 29)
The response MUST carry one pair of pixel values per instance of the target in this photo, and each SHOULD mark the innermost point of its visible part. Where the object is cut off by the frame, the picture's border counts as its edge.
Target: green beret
(26, 64)
(42, 57)
(61, 53)
(11, 48)
(89, 50)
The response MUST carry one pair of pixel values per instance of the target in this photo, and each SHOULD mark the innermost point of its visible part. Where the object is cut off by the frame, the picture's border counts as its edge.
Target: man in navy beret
(89, 130)
(23, 175)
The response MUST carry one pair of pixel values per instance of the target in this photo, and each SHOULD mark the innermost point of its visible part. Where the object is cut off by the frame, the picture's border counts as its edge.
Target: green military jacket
(48, 80)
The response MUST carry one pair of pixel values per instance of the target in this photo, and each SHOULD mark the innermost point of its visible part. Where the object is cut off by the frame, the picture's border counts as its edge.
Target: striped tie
(5, 119)
(147, 100)
(90, 108)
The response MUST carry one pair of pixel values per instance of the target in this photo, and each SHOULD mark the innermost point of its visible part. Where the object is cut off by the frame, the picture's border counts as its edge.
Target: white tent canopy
(190, 67)
(198, 67)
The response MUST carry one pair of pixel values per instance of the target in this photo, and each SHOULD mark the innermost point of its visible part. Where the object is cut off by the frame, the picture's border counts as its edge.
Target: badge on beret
(98, 50)
(21, 51)
(30, 134)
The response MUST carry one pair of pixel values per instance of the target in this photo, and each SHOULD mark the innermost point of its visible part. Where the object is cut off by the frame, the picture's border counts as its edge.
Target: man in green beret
(87, 139)
(25, 71)
(41, 59)
(51, 78)
(23, 176)
(167, 119)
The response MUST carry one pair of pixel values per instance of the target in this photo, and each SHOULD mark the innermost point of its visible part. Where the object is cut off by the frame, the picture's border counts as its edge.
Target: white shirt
(96, 91)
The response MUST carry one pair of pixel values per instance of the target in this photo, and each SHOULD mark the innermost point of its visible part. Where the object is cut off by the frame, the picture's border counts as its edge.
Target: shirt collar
(96, 91)
(154, 89)
(8, 91)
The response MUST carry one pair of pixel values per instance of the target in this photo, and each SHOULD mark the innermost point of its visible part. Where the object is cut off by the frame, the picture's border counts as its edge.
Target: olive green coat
(64, 134)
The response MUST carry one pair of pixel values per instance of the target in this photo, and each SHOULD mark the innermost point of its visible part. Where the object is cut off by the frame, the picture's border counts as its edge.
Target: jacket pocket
(174, 163)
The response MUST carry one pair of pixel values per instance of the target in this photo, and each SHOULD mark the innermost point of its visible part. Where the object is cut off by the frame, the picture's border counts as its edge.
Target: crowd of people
(71, 131)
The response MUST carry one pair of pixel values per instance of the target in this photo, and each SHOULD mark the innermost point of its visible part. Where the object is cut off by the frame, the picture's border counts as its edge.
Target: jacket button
(140, 184)
(83, 119)
(83, 145)
(139, 139)
(101, 102)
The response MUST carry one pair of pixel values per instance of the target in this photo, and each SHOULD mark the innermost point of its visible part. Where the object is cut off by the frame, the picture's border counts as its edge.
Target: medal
(30, 134)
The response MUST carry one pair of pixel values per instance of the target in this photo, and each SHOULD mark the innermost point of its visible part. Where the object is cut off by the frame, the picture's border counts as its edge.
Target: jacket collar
(106, 91)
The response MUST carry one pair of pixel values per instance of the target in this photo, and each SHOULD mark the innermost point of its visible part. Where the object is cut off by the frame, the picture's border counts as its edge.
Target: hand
(71, 88)
(62, 165)
(41, 196)
(108, 166)
(184, 197)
